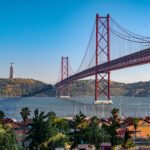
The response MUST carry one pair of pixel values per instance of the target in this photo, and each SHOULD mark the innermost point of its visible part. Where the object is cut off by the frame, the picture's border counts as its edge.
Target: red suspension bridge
(111, 47)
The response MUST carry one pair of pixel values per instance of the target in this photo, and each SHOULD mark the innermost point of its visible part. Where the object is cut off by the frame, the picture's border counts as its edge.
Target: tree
(127, 141)
(7, 138)
(44, 133)
(95, 134)
(79, 121)
(112, 129)
(135, 124)
(38, 132)
(58, 130)
(114, 113)
(58, 139)
(62, 125)
(25, 113)
(78, 126)
(2, 115)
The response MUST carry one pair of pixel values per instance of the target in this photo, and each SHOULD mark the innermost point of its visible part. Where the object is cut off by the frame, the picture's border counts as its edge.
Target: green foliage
(62, 125)
(135, 123)
(7, 138)
(47, 131)
(52, 142)
(87, 132)
(79, 121)
(38, 132)
(86, 88)
(44, 133)
(112, 129)
(25, 87)
(94, 134)
(25, 113)
(127, 141)
(115, 113)
(29, 87)
(2, 115)
(78, 126)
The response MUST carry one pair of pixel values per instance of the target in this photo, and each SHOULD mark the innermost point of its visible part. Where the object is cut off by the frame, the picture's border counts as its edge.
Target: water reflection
(129, 106)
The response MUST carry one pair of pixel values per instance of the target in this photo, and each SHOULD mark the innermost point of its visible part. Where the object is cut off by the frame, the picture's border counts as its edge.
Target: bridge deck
(138, 58)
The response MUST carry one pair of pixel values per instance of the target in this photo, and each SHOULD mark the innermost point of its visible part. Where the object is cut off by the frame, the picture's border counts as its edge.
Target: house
(143, 129)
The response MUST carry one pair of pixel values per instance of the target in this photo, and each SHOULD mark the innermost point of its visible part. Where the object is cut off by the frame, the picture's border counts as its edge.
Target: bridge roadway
(134, 59)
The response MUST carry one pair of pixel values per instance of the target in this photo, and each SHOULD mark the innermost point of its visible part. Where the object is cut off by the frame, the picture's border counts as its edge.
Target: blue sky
(34, 34)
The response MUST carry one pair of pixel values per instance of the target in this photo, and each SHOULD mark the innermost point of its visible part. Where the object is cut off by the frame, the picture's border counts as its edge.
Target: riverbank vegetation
(24, 88)
(46, 131)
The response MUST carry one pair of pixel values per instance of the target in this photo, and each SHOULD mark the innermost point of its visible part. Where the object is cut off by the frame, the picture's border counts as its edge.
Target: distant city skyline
(35, 34)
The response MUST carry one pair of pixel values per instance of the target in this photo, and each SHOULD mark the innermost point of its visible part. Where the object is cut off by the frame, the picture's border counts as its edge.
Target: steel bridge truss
(103, 65)
(102, 54)
(63, 90)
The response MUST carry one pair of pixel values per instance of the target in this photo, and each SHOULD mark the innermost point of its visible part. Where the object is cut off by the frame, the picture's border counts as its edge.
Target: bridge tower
(64, 68)
(102, 51)
(64, 89)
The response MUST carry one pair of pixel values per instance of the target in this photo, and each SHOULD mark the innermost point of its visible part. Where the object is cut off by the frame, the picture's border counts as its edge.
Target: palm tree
(79, 121)
(95, 134)
(25, 113)
(135, 124)
(78, 126)
(115, 119)
(58, 139)
(38, 131)
(115, 112)
(44, 133)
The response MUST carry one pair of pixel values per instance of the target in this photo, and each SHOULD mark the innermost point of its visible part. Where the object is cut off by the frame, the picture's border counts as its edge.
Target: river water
(129, 106)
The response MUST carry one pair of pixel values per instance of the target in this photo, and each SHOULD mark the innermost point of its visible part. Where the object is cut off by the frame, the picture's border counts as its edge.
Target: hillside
(30, 87)
(24, 87)
(86, 88)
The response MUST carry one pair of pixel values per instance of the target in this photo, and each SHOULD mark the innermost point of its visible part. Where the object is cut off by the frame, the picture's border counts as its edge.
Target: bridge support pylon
(64, 89)
(102, 80)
